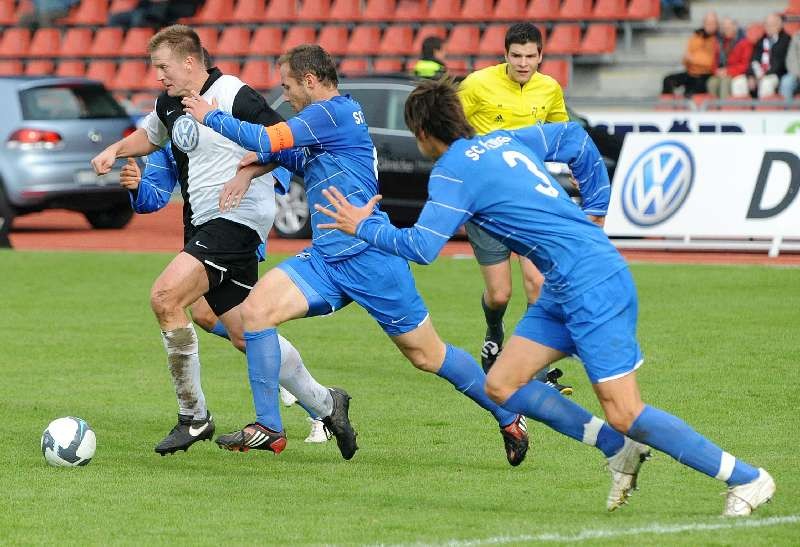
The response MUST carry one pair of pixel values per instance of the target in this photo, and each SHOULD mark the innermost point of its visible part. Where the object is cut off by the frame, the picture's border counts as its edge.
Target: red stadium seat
(281, 11)
(509, 10)
(234, 42)
(74, 69)
(444, 10)
(130, 75)
(791, 27)
(612, 10)
(772, 103)
(229, 66)
(39, 67)
(46, 42)
(378, 10)
(107, 42)
(558, 69)
(794, 8)
(476, 10)
(14, 42)
(103, 71)
(599, 39)
(365, 40)
(120, 6)
(135, 42)
(564, 40)
(353, 66)
(484, 62)
(24, 7)
(249, 11)
(77, 42)
(143, 101)
(10, 68)
(8, 16)
(314, 10)
(398, 40)
(493, 41)
(411, 10)
(260, 75)
(736, 103)
(88, 12)
(639, 10)
(267, 41)
(297, 35)
(213, 11)
(667, 102)
(424, 32)
(387, 66)
(334, 39)
(463, 40)
(457, 67)
(544, 10)
(209, 38)
(345, 10)
(576, 9)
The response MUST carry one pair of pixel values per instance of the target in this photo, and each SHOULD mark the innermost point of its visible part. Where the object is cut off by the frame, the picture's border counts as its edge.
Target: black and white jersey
(206, 160)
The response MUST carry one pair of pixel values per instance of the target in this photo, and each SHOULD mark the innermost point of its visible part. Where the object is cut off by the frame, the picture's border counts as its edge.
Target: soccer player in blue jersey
(588, 304)
(329, 144)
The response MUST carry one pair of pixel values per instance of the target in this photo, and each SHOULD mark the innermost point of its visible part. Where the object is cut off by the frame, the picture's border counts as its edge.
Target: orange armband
(280, 136)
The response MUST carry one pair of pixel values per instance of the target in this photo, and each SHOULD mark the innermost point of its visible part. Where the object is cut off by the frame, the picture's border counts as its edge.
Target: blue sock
(544, 404)
(263, 368)
(310, 412)
(467, 376)
(220, 330)
(672, 435)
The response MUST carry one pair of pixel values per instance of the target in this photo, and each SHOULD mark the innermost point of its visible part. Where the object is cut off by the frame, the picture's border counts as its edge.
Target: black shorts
(227, 249)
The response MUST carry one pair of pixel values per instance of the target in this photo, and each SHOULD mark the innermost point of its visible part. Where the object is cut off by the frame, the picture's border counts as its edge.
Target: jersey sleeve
(249, 105)
(283, 179)
(445, 211)
(569, 143)
(558, 108)
(466, 93)
(158, 181)
(156, 131)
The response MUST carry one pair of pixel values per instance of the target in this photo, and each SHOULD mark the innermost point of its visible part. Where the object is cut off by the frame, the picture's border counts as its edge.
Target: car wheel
(110, 219)
(292, 217)
(7, 215)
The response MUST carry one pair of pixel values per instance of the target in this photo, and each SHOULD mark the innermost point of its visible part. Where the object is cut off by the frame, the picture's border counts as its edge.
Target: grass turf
(77, 338)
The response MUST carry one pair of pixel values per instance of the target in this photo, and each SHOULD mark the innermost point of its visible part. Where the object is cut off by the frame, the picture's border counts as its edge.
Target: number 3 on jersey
(512, 157)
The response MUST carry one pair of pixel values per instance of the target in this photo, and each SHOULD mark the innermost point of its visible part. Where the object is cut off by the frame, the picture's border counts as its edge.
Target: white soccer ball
(68, 442)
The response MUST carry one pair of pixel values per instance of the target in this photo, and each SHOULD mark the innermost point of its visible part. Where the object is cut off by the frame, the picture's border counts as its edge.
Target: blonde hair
(180, 39)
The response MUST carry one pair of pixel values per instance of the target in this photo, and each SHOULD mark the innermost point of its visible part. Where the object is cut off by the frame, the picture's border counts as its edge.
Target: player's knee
(621, 419)
(256, 312)
(422, 360)
(497, 390)
(162, 301)
(237, 341)
(497, 297)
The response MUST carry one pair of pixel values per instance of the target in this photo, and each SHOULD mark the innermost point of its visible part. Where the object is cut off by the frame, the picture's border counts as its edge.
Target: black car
(402, 170)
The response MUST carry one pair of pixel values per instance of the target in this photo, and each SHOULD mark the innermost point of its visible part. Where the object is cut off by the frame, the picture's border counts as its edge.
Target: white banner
(728, 186)
(760, 123)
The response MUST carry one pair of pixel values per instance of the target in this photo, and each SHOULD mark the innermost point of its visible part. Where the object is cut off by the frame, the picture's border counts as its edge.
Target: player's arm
(141, 142)
(154, 187)
(558, 108)
(569, 143)
(466, 94)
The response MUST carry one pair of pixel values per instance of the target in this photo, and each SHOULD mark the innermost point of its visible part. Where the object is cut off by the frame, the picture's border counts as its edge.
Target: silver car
(50, 129)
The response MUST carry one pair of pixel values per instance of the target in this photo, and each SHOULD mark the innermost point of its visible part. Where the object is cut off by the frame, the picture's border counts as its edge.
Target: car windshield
(69, 102)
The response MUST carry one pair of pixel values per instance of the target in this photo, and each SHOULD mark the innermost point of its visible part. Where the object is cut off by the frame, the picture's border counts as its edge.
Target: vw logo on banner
(657, 183)
(185, 133)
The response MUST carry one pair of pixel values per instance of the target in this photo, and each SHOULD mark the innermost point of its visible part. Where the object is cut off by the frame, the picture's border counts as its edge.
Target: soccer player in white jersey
(219, 258)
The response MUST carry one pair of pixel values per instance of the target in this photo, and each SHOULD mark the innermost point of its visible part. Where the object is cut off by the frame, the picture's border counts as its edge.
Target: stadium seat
(464, 40)
(484, 62)
(229, 66)
(249, 11)
(345, 10)
(387, 66)
(143, 101)
(8, 15)
(476, 10)
(10, 68)
(700, 100)
(259, 75)
(39, 67)
(599, 39)
(398, 40)
(378, 10)
(352, 66)
(209, 38)
(793, 8)
(365, 40)
(558, 69)
(281, 11)
(297, 35)
(458, 66)
(610, 10)
(544, 10)
(107, 42)
(71, 69)
(772, 103)
(46, 42)
(667, 102)
(103, 71)
(564, 40)
(509, 10)
(424, 32)
(736, 103)
(314, 10)
(334, 39)
(131, 75)
(234, 42)
(444, 10)
(576, 9)
(213, 11)
(266, 41)
(88, 12)
(791, 27)
(14, 42)
(493, 41)
(24, 7)
(135, 42)
(120, 6)
(639, 10)
(77, 42)
(411, 10)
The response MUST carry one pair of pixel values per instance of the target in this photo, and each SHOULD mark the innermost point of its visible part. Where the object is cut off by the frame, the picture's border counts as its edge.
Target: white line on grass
(656, 529)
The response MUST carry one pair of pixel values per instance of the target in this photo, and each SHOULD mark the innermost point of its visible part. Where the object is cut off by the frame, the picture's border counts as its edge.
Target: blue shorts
(379, 282)
(598, 326)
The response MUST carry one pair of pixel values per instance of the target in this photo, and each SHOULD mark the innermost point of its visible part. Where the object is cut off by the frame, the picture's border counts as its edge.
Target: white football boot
(624, 467)
(286, 398)
(318, 433)
(745, 498)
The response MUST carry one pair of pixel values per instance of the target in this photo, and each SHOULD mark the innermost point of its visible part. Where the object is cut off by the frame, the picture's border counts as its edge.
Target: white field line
(654, 529)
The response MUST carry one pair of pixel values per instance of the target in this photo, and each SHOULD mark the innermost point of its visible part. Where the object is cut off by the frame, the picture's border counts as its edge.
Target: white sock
(294, 376)
(184, 365)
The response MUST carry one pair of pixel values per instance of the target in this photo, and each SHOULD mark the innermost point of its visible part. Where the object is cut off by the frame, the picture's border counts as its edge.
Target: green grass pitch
(77, 338)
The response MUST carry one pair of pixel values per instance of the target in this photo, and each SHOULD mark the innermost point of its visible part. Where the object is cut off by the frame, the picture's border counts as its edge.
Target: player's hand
(131, 175)
(346, 215)
(104, 161)
(251, 158)
(197, 106)
(234, 190)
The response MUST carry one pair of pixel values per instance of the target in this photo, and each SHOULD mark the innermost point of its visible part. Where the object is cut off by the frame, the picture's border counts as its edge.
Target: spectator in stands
(700, 60)
(154, 13)
(791, 80)
(45, 12)
(431, 63)
(734, 58)
(768, 63)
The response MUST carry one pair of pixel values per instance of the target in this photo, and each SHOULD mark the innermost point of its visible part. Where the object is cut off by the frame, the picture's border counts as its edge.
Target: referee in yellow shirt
(509, 96)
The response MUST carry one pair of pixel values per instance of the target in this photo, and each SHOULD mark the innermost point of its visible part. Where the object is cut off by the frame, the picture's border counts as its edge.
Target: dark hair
(522, 33)
(429, 45)
(310, 59)
(180, 39)
(434, 107)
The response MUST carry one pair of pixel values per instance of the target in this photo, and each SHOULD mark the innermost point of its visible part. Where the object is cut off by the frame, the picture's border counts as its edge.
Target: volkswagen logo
(657, 183)
(185, 133)
(95, 136)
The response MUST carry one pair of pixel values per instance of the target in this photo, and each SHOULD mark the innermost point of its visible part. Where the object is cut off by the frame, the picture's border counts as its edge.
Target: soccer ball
(68, 442)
